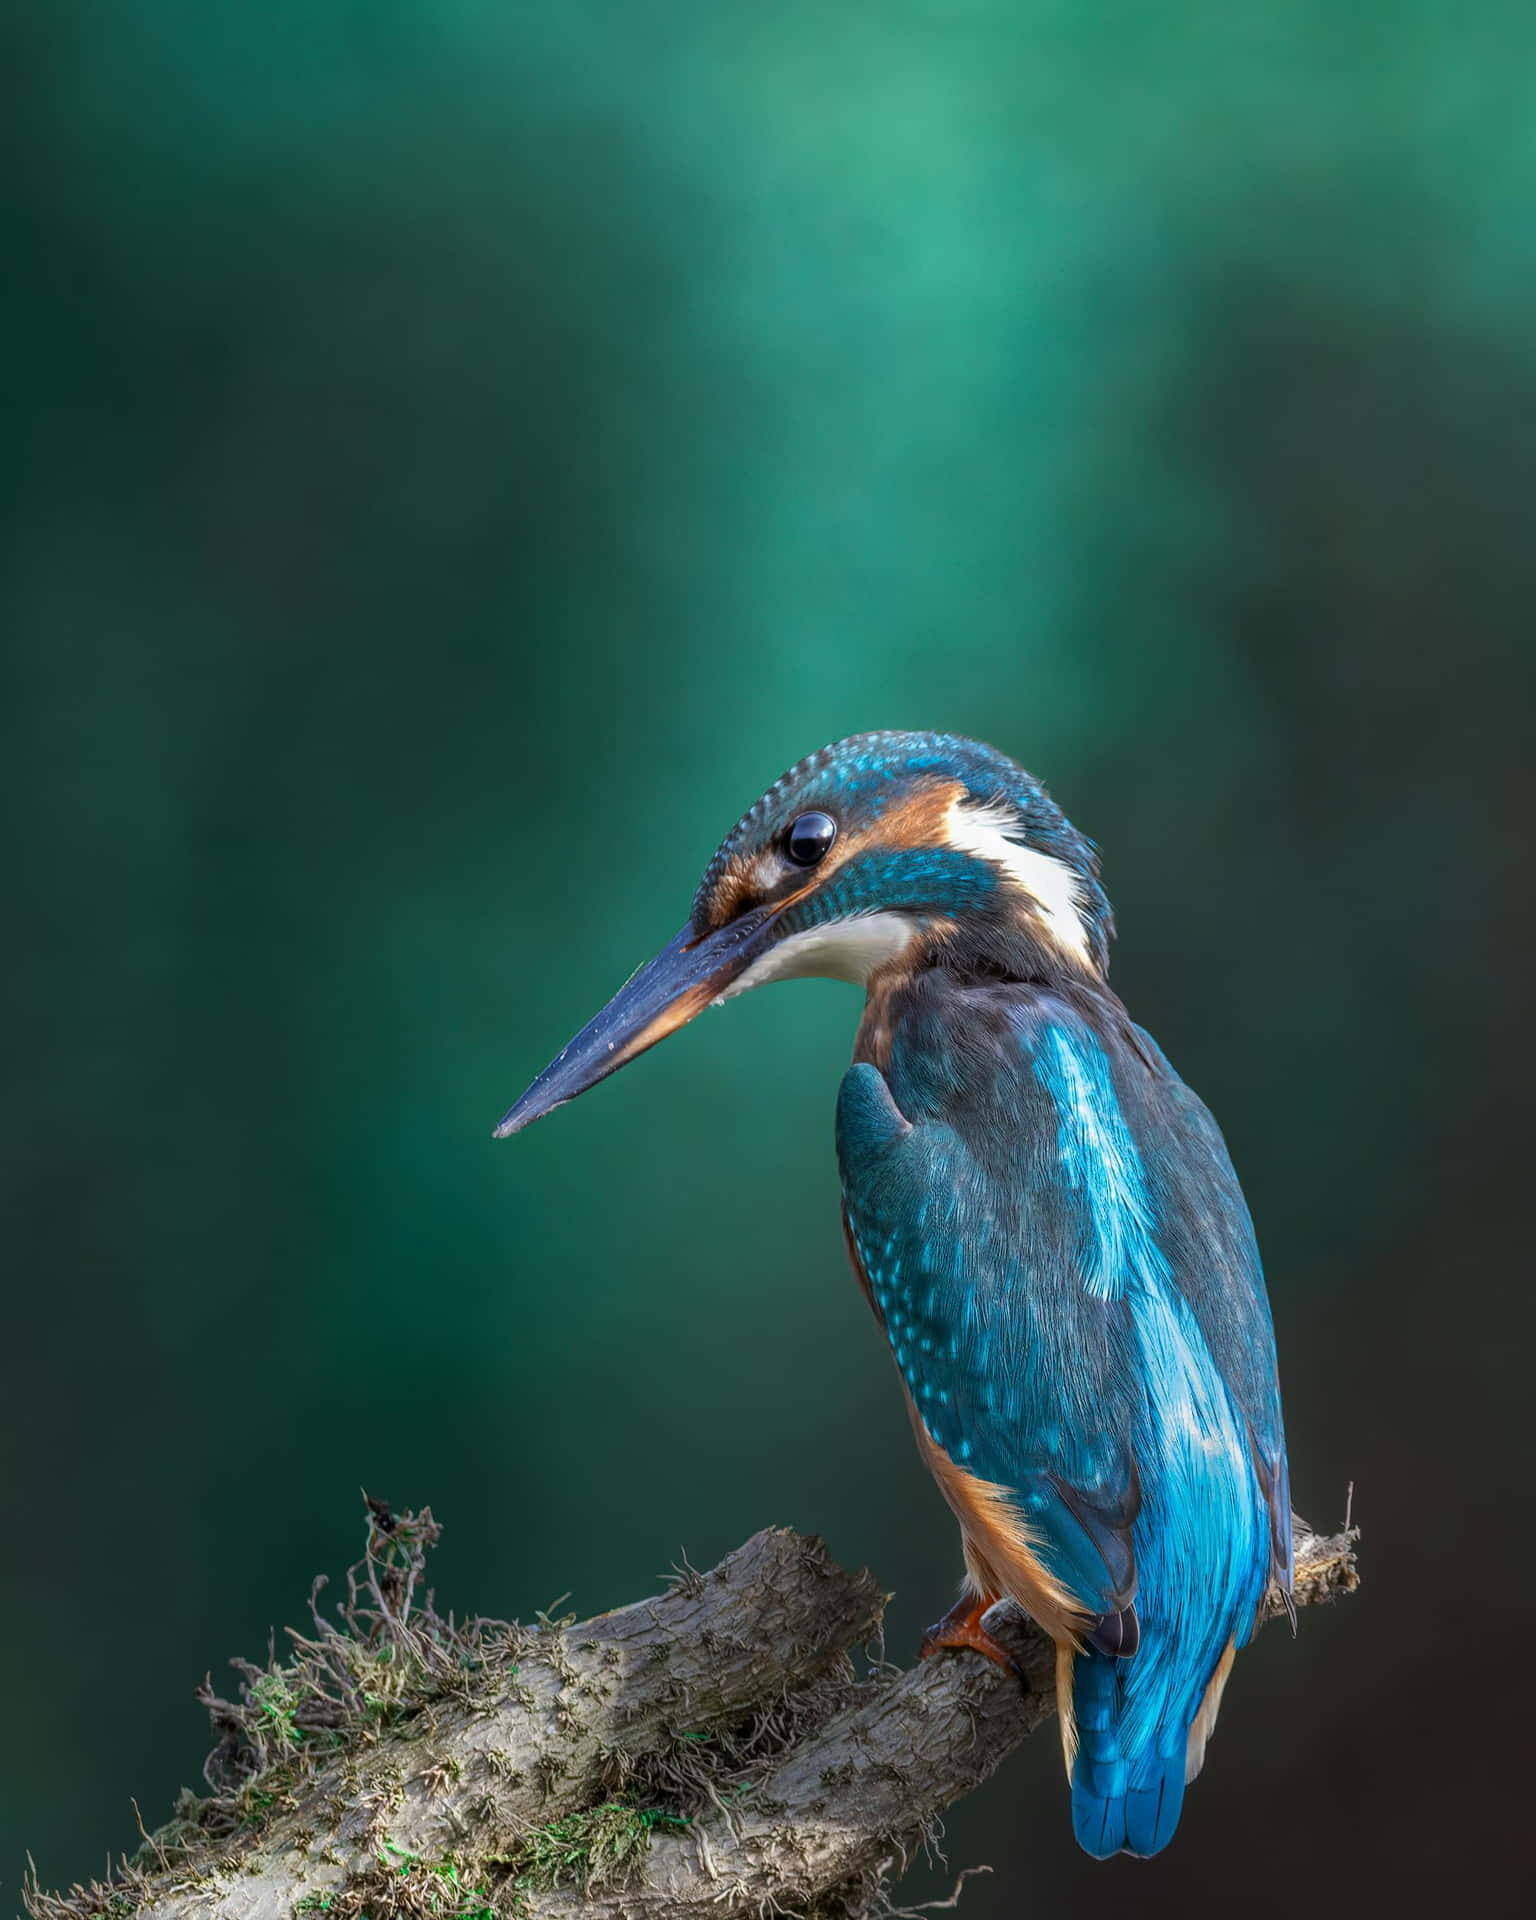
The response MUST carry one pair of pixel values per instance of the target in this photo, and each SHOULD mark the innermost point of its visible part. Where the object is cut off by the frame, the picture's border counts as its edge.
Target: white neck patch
(985, 832)
(848, 949)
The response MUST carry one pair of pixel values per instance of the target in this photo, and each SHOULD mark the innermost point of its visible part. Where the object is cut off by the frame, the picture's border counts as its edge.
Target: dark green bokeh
(455, 456)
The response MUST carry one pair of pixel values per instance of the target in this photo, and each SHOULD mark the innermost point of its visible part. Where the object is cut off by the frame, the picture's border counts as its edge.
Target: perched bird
(1045, 1222)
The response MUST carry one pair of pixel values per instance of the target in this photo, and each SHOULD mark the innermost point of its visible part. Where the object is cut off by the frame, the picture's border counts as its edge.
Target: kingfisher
(1044, 1219)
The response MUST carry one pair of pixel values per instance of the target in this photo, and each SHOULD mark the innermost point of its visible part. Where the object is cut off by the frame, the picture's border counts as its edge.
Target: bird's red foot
(961, 1627)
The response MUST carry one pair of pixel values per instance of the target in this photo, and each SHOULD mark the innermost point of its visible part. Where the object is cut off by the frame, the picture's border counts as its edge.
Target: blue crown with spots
(859, 778)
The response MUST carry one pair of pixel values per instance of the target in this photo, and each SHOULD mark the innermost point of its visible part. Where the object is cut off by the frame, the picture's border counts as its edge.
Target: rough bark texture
(709, 1751)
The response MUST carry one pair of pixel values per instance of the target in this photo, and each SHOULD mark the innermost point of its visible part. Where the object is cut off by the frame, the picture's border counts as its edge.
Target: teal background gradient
(454, 457)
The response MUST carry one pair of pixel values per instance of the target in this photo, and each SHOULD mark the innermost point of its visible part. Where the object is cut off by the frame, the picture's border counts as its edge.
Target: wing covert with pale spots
(963, 1275)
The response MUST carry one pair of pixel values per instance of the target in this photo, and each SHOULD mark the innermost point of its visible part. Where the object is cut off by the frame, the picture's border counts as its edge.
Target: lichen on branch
(734, 1745)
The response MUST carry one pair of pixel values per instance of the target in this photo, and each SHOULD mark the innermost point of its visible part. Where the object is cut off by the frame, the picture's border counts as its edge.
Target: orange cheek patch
(918, 821)
(735, 889)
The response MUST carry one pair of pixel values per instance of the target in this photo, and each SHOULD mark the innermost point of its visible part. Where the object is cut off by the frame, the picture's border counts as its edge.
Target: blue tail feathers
(1121, 1802)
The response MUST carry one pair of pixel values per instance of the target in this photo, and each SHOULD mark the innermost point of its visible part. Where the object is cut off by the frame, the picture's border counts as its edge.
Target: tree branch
(712, 1751)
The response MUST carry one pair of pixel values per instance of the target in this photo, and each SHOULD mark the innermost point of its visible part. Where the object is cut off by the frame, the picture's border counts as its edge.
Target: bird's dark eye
(809, 838)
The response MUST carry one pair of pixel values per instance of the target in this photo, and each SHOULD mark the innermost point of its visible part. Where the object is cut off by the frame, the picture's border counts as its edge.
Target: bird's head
(882, 853)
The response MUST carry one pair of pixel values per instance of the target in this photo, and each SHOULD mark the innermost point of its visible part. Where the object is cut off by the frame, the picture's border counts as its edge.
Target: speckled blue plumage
(859, 778)
(1060, 1254)
(1045, 1217)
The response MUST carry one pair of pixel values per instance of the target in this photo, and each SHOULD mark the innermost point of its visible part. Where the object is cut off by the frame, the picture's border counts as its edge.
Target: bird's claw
(961, 1627)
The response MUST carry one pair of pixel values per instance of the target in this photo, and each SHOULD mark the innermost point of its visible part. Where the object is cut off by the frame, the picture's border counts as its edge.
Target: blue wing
(973, 1277)
(1208, 1239)
(1059, 1252)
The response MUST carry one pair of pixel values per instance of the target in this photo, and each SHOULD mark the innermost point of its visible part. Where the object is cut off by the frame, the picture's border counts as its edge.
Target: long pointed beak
(667, 992)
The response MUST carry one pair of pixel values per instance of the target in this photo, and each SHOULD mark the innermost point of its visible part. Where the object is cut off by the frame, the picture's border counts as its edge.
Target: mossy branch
(735, 1745)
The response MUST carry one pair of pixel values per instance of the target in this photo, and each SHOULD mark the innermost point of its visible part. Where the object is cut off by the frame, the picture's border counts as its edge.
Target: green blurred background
(455, 456)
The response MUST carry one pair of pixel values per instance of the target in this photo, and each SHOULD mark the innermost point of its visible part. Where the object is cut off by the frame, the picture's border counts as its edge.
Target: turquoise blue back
(1059, 1252)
